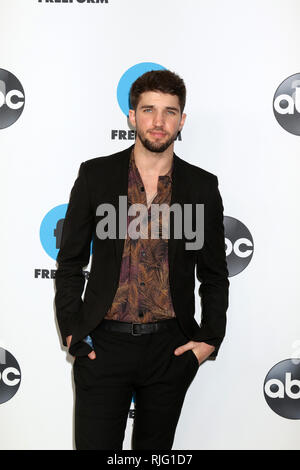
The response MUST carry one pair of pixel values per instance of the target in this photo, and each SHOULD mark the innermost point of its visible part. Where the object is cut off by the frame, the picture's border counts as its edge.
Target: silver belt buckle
(132, 332)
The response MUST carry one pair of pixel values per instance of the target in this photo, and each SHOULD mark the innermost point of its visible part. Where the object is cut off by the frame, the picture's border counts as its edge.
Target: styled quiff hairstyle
(158, 80)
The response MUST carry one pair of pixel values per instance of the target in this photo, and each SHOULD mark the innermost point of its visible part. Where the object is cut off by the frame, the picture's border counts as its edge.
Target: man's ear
(131, 117)
(183, 118)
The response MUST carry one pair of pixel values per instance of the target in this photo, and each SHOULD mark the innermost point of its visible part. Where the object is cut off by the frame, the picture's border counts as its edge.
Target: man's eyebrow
(170, 108)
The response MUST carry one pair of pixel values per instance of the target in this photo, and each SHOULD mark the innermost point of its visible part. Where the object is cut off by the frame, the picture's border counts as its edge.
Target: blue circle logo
(51, 229)
(127, 80)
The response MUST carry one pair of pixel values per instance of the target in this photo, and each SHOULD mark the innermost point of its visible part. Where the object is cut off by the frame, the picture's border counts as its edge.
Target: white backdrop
(232, 55)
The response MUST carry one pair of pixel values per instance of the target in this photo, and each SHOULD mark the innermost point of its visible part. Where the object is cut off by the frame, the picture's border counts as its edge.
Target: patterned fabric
(143, 294)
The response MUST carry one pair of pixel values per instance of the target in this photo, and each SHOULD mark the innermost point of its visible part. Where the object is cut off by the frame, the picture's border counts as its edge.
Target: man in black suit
(135, 331)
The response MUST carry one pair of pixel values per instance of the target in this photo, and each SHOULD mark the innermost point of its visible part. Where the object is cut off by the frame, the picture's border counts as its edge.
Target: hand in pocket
(91, 355)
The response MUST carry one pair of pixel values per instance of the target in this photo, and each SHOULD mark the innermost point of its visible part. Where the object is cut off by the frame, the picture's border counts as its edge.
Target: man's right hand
(91, 355)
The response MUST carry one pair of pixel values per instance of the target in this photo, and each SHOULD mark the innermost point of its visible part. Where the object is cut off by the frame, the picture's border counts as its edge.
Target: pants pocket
(194, 358)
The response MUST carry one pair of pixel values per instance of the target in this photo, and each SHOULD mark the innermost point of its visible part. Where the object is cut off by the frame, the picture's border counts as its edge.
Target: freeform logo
(239, 245)
(282, 389)
(50, 236)
(127, 80)
(286, 104)
(12, 99)
(51, 229)
(10, 376)
(123, 90)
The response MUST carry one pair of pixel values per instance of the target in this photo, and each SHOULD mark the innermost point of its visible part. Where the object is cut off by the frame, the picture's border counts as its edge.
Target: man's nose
(158, 119)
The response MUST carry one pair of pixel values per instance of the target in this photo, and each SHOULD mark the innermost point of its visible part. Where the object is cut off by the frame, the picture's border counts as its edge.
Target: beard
(156, 147)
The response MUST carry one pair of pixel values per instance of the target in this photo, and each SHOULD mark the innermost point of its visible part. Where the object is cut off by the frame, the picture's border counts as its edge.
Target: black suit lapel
(177, 197)
(121, 185)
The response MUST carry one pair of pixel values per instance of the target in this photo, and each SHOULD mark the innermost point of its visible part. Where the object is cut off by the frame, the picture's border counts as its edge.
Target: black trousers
(126, 364)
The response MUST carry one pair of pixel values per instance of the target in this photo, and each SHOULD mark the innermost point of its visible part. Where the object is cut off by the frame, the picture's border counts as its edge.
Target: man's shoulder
(106, 161)
(195, 172)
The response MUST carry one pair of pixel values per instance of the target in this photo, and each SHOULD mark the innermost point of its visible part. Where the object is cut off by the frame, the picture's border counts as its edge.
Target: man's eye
(148, 109)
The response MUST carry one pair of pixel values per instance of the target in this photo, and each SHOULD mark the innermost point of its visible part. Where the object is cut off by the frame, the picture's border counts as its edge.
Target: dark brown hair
(164, 81)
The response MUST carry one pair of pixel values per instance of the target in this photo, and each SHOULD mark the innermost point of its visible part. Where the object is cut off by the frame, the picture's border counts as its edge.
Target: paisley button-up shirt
(143, 294)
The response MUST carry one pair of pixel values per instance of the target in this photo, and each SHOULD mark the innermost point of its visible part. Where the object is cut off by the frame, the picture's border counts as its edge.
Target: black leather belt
(138, 329)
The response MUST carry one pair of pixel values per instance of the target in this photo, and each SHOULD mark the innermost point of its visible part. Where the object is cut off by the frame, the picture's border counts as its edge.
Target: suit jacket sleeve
(212, 273)
(74, 254)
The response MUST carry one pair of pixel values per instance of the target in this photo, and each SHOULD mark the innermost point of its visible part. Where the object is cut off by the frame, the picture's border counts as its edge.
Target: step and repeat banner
(66, 67)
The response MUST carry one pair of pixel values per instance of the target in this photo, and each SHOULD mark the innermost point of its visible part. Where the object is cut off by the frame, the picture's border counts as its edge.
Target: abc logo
(282, 389)
(12, 99)
(239, 245)
(286, 104)
(10, 376)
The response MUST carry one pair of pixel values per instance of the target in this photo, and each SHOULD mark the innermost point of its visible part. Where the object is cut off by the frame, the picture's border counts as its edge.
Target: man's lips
(157, 133)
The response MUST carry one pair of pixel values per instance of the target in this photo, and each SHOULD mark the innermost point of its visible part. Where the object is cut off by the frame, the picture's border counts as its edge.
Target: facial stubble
(156, 147)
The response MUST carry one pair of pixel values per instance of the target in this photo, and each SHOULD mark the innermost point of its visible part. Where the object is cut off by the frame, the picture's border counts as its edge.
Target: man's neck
(152, 163)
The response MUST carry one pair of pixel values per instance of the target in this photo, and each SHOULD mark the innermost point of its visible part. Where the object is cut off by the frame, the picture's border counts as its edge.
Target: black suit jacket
(102, 180)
